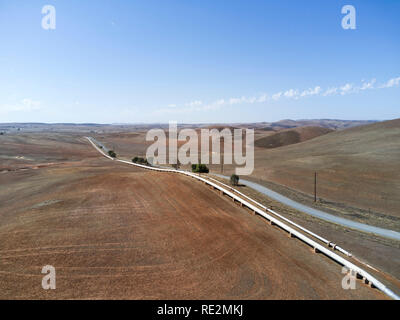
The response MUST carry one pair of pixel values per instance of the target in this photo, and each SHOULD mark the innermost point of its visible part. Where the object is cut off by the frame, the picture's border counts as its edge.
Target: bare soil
(113, 231)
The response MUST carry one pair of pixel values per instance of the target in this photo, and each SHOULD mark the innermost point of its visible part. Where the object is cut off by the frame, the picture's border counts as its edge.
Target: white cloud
(368, 85)
(391, 83)
(330, 91)
(25, 105)
(311, 92)
(295, 94)
(194, 103)
(242, 99)
(262, 98)
(347, 88)
(291, 93)
(235, 100)
(276, 96)
(251, 100)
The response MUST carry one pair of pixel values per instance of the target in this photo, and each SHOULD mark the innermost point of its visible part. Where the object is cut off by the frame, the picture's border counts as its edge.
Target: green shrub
(112, 154)
(200, 168)
(234, 179)
(140, 160)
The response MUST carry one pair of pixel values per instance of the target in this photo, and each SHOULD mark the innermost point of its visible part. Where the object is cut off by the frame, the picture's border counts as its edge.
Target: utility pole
(315, 186)
(221, 153)
(222, 164)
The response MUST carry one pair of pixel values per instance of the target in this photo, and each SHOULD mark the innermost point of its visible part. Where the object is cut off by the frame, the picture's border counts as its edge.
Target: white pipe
(98, 149)
(329, 243)
(289, 229)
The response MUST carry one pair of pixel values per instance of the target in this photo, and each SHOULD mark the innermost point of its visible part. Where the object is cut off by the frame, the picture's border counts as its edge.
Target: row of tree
(197, 168)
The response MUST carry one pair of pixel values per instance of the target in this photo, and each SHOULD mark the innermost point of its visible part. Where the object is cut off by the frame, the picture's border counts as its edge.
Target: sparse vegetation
(200, 168)
(140, 160)
(112, 154)
(234, 179)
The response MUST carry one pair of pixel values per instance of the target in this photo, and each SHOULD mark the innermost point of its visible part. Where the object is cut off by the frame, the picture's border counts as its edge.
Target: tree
(203, 168)
(234, 179)
(112, 154)
(140, 160)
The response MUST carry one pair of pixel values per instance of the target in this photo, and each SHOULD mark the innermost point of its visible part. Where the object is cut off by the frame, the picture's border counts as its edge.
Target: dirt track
(114, 231)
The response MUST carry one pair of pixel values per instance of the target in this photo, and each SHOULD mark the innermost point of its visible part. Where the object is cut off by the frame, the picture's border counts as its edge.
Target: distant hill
(220, 127)
(325, 123)
(266, 126)
(291, 136)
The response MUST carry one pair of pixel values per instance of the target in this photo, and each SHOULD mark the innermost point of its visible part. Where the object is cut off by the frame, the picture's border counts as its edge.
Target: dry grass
(113, 231)
(290, 136)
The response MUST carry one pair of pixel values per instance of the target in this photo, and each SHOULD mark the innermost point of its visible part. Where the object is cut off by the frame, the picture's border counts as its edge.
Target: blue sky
(198, 61)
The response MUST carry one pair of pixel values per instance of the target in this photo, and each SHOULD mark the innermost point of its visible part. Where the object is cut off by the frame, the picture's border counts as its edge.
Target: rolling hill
(359, 166)
(291, 136)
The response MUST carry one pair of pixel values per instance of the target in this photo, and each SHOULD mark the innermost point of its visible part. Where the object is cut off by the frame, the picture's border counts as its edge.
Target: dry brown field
(114, 231)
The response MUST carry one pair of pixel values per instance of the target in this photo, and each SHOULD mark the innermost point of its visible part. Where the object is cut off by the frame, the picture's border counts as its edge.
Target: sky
(198, 61)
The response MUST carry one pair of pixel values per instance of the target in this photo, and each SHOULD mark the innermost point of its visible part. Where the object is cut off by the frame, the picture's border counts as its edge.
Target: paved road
(318, 213)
